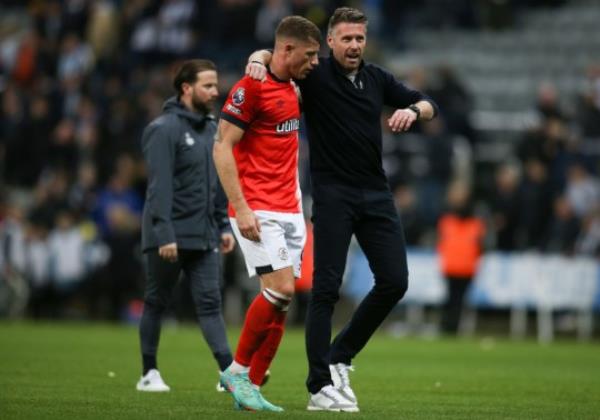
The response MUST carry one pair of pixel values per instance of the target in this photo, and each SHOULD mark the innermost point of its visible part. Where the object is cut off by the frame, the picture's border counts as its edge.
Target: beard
(200, 106)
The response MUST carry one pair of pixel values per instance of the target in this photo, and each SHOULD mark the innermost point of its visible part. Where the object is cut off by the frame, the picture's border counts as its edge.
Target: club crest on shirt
(283, 254)
(239, 96)
(188, 139)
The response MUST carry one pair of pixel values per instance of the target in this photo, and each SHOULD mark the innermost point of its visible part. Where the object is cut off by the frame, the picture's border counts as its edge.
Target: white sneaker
(330, 399)
(152, 382)
(341, 381)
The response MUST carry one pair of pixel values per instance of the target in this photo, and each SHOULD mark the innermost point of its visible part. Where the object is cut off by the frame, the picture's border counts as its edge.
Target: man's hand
(402, 120)
(227, 242)
(248, 225)
(168, 252)
(256, 70)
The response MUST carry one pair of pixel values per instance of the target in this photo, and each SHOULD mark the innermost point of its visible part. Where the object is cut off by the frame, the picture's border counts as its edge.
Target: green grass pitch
(60, 371)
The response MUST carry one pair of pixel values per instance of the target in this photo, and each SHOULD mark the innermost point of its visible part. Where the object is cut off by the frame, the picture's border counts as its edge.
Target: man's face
(348, 41)
(204, 91)
(301, 58)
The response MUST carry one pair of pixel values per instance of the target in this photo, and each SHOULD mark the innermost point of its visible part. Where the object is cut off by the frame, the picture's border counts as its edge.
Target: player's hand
(168, 252)
(402, 120)
(227, 242)
(248, 225)
(256, 70)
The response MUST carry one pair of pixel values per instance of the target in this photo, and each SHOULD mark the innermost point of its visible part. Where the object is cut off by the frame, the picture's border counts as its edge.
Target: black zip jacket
(185, 202)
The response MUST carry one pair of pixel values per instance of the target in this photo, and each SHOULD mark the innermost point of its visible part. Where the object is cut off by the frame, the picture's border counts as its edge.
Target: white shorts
(282, 238)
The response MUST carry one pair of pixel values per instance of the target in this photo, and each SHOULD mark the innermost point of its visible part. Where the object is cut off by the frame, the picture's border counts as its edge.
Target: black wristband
(415, 109)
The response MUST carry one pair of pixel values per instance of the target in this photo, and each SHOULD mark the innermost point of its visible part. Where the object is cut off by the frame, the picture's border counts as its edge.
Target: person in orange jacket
(460, 244)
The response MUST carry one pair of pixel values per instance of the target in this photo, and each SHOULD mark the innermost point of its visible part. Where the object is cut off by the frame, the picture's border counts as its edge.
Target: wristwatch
(416, 109)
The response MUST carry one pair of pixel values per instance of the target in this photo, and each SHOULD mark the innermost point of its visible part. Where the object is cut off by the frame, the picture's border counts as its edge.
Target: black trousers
(338, 213)
(203, 271)
(457, 289)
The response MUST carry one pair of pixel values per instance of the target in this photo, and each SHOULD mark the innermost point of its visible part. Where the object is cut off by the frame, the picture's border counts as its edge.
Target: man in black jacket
(185, 216)
(342, 101)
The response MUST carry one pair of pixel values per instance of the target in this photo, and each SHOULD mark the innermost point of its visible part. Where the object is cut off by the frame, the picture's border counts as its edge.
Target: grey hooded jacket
(185, 202)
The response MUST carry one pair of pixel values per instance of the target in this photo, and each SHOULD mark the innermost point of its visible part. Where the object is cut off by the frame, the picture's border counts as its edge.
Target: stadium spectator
(589, 106)
(563, 228)
(460, 245)
(535, 205)
(413, 223)
(256, 155)
(184, 222)
(342, 102)
(505, 206)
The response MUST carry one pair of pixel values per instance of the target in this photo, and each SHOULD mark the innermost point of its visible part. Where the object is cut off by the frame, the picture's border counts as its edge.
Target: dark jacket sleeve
(221, 216)
(159, 153)
(397, 95)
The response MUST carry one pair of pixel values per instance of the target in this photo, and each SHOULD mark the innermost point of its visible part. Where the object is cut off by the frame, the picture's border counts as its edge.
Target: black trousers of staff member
(338, 212)
(203, 270)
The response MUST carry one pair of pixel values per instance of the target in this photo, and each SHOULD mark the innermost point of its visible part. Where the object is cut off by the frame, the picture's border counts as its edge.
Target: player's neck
(277, 68)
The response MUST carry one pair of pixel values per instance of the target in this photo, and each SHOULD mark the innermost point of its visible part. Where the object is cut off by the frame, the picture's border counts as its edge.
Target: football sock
(262, 358)
(236, 368)
(259, 319)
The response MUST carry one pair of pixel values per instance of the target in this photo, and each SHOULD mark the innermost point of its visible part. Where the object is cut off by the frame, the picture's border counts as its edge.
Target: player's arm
(159, 154)
(228, 135)
(257, 64)
(412, 105)
(402, 119)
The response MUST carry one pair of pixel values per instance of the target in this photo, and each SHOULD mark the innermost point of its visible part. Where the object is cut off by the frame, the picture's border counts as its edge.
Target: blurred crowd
(80, 79)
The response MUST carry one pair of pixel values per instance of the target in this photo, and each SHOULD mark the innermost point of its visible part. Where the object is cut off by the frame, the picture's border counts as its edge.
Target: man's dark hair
(188, 72)
(299, 28)
(346, 15)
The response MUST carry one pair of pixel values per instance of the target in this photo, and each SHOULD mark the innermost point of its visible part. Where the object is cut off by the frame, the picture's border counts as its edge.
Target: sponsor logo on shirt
(233, 109)
(239, 96)
(288, 126)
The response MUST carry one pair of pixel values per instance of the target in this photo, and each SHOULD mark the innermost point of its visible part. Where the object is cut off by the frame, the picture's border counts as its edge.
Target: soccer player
(185, 216)
(342, 100)
(256, 155)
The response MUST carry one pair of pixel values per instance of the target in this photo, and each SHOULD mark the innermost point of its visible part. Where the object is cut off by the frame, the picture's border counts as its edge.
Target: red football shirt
(267, 155)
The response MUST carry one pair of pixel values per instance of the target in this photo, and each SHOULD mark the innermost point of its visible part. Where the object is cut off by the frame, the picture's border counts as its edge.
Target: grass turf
(62, 371)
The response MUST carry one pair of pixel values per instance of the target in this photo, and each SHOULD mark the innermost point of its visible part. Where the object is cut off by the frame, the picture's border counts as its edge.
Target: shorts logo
(239, 96)
(283, 254)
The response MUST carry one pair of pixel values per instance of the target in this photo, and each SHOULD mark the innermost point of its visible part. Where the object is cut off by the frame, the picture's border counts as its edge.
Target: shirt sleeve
(242, 104)
(397, 95)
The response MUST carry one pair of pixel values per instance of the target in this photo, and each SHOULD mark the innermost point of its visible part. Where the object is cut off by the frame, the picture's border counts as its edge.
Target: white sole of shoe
(151, 390)
(336, 410)
(313, 408)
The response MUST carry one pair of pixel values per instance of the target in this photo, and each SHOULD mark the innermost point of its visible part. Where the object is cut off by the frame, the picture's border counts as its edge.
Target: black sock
(149, 361)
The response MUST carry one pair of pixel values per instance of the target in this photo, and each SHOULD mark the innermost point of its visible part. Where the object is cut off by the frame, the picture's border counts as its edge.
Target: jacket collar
(174, 105)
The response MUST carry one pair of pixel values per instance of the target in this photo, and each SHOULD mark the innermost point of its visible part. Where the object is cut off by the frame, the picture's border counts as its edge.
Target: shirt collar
(277, 79)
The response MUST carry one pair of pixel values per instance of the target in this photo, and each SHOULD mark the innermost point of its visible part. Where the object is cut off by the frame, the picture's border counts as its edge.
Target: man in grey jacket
(185, 216)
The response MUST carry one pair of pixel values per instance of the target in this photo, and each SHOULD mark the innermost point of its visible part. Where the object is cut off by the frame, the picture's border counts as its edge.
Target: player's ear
(185, 87)
(289, 47)
(330, 39)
